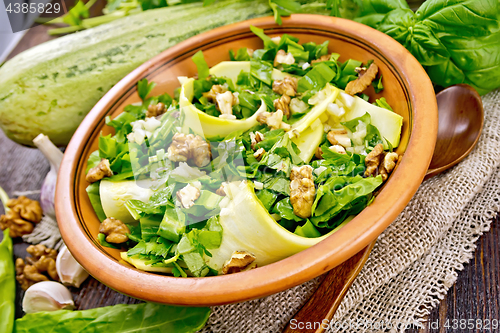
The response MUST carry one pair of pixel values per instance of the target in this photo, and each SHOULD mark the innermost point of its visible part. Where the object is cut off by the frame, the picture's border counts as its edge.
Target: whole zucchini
(51, 87)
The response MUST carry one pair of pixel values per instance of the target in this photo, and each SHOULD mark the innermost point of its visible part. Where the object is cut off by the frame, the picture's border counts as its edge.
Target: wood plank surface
(474, 297)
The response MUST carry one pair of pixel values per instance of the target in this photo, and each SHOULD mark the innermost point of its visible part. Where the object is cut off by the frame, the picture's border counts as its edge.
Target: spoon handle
(326, 299)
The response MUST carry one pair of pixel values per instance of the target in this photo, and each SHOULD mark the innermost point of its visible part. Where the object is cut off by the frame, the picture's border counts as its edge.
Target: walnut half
(115, 230)
(378, 162)
(282, 104)
(186, 147)
(287, 86)
(155, 110)
(363, 81)
(99, 171)
(240, 261)
(302, 190)
(17, 226)
(28, 209)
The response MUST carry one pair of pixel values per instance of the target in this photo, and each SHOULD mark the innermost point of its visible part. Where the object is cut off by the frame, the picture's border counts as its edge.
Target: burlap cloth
(414, 262)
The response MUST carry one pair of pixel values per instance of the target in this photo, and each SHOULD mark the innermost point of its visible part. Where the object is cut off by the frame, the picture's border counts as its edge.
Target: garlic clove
(69, 270)
(47, 296)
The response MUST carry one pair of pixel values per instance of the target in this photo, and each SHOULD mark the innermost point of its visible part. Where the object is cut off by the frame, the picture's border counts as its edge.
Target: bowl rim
(294, 270)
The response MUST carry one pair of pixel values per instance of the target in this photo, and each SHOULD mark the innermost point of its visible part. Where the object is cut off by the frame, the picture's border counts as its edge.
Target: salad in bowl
(253, 160)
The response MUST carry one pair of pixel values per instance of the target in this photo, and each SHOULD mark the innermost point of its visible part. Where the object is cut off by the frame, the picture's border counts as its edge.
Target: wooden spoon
(460, 123)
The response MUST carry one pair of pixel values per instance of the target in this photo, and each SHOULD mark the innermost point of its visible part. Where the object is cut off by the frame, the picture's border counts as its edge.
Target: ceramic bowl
(407, 89)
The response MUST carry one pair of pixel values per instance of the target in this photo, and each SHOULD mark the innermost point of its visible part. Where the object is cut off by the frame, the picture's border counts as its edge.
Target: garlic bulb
(47, 296)
(69, 270)
(54, 156)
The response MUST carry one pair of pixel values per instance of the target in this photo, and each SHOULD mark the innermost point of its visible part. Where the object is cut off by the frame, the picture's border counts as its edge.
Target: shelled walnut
(115, 230)
(32, 269)
(365, 78)
(240, 261)
(255, 138)
(28, 209)
(17, 226)
(302, 190)
(378, 162)
(100, 171)
(155, 110)
(20, 217)
(287, 86)
(282, 104)
(186, 147)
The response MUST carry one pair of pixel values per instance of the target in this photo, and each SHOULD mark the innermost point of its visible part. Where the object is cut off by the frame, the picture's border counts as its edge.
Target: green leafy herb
(316, 78)
(95, 200)
(173, 225)
(76, 14)
(456, 42)
(307, 230)
(144, 88)
(377, 84)
(261, 70)
(382, 102)
(283, 8)
(201, 64)
(333, 201)
(268, 43)
(240, 55)
(144, 317)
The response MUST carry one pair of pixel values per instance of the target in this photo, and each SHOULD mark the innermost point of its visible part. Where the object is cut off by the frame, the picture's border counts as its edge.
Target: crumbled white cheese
(306, 66)
(142, 129)
(187, 195)
(225, 102)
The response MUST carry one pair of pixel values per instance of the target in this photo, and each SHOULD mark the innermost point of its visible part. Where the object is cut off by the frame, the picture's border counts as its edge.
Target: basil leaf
(283, 8)
(144, 88)
(285, 209)
(267, 198)
(93, 161)
(307, 230)
(457, 41)
(268, 43)
(144, 317)
(172, 225)
(261, 70)
(240, 55)
(316, 78)
(382, 102)
(336, 201)
(201, 65)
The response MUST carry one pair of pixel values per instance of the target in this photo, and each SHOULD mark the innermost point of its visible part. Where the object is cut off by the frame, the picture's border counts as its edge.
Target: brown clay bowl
(407, 88)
